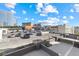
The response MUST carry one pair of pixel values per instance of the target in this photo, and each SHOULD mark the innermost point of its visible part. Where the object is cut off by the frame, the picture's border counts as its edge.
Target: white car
(24, 34)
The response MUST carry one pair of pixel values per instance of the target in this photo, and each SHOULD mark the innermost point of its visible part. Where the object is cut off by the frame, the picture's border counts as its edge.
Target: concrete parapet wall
(50, 52)
(38, 44)
(21, 51)
(45, 33)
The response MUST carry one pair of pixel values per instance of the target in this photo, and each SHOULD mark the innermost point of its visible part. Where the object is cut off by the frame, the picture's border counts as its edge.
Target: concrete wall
(50, 52)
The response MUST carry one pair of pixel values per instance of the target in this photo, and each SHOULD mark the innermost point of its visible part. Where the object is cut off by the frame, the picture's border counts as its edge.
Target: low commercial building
(62, 29)
(76, 29)
(37, 26)
(53, 29)
(65, 29)
(3, 33)
(27, 26)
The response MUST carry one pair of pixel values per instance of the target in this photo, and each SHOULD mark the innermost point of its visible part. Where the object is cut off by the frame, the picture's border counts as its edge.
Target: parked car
(17, 34)
(38, 33)
(24, 34)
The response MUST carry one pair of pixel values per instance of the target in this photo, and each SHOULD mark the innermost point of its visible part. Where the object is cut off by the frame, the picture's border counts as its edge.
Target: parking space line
(67, 53)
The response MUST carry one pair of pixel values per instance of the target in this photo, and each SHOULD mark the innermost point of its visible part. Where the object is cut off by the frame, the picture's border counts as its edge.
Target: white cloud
(32, 19)
(42, 14)
(10, 5)
(51, 9)
(13, 11)
(50, 21)
(76, 7)
(24, 12)
(46, 8)
(17, 17)
(39, 6)
(71, 10)
(71, 17)
(39, 21)
(65, 21)
(26, 18)
(64, 17)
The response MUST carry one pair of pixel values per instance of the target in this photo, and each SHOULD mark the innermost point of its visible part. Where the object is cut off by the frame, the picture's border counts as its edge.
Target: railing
(63, 39)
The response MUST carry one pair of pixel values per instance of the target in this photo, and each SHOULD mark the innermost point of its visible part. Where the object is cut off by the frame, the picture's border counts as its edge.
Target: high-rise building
(7, 18)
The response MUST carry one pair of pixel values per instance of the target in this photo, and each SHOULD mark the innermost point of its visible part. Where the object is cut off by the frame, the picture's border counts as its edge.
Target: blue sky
(46, 13)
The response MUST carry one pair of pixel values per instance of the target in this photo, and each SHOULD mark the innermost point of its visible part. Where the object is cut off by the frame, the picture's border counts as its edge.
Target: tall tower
(7, 18)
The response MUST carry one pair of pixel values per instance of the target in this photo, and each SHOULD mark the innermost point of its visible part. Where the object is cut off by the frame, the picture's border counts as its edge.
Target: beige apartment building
(63, 29)
(76, 29)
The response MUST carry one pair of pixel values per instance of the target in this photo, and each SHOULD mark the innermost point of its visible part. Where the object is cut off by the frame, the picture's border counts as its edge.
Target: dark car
(38, 33)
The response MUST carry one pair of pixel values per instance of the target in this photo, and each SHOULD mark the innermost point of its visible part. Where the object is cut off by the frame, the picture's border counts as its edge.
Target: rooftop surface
(63, 49)
(37, 53)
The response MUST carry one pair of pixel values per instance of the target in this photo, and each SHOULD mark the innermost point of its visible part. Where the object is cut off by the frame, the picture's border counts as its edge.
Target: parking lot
(17, 41)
